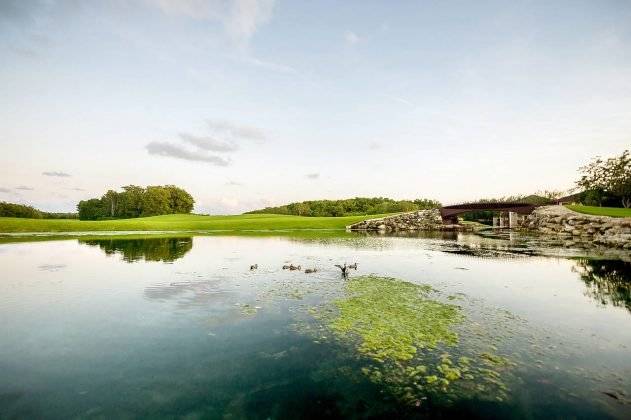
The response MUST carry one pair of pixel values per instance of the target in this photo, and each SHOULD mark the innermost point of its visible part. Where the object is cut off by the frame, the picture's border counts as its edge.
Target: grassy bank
(601, 211)
(181, 222)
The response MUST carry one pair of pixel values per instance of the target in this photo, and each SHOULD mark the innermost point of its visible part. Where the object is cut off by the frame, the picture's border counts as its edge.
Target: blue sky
(250, 103)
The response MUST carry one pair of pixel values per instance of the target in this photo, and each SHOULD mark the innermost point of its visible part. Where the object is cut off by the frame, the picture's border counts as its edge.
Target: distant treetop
(135, 201)
(350, 207)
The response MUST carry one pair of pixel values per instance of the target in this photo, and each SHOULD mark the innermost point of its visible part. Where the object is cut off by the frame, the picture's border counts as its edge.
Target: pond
(476, 325)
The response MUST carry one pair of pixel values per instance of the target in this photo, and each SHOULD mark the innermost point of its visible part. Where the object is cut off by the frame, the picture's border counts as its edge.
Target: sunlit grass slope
(601, 211)
(181, 222)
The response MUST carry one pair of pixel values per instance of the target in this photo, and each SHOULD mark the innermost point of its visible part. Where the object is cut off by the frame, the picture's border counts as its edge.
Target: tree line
(135, 201)
(349, 207)
(30, 212)
(607, 181)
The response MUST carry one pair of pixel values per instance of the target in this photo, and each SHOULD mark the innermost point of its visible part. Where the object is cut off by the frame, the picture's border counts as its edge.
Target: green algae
(393, 319)
(409, 341)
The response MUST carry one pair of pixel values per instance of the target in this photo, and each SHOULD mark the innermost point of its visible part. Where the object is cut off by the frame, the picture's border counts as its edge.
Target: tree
(135, 201)
(179, 200)
(155, 201)
(19, 210)
(131, 201)
(611, 176)
(110, 200)
(91, 209)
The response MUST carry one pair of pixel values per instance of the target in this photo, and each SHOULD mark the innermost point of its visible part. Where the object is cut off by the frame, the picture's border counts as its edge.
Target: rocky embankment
(581, 228)
(418, 220)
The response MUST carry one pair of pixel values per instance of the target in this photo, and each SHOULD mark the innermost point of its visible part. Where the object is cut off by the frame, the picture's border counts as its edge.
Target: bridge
(449, 214)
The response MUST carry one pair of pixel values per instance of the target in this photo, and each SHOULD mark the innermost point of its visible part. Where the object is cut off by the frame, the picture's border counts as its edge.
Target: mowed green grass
(601, 211)
(181, 222)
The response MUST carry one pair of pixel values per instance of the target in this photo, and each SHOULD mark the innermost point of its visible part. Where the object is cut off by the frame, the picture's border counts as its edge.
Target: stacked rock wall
(418, 220)
(577, 227)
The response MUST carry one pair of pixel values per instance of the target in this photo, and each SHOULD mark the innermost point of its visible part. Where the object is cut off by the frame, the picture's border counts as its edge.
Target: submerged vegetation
(409, 341)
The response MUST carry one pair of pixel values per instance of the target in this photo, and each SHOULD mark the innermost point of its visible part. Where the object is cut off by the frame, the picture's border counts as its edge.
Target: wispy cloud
(167, 149)
(5, 190)
(225, 137)
(57, 174)
(24, 188)
(401, 100)
(209, 143)
(236, 131)
(314, 175)
(232, 183)
(240, 18)
(351, 38)
(268, 65)
(373, 145)
(77, 189)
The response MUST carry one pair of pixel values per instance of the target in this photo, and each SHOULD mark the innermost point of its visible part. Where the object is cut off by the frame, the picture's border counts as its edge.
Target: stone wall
(580, 228)
(418, 220)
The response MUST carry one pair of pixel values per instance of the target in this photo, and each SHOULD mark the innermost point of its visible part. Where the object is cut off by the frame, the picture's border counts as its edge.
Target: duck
(294, 267)
(353, 266)
(311, 270)
(254, 267)
(286, 267)
(344, 269)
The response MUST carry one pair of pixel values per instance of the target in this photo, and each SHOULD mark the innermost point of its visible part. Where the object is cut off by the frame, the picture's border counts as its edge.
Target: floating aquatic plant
(404, 332)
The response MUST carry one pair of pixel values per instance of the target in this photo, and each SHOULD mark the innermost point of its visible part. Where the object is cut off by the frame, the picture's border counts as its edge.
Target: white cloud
(314, 175)
(177, 151)
(236, 131)
(56, 173)
(209, 143)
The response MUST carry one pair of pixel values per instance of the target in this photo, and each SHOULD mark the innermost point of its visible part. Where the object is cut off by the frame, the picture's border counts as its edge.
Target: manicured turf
(181, 222)
(602, 211)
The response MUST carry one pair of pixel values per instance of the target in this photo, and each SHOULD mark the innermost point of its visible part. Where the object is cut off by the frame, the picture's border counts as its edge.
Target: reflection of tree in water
(149, 249)
(607, 281)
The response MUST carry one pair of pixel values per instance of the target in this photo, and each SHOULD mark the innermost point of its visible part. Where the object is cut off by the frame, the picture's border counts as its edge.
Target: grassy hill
(181, 222)
(601, 211)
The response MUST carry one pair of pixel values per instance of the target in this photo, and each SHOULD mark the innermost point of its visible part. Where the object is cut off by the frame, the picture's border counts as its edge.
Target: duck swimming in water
(294, 267)
(254, 267)
(311, 270)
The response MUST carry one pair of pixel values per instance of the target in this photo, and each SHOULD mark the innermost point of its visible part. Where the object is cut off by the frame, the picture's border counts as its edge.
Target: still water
(493, 326)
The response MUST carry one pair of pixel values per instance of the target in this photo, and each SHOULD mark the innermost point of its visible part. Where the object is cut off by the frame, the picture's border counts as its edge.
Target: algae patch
(408, 341)
(393, 319)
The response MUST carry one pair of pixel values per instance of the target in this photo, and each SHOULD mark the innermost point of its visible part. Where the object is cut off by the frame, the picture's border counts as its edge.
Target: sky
(253, 103)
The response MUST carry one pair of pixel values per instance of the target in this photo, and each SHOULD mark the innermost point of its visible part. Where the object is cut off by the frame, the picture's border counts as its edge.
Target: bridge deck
(449, 212)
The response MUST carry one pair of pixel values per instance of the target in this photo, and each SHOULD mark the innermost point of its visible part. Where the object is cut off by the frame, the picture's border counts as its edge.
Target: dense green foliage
(602, 211)
(135, 201)
(30, 212)
(607, 180)
(349, 207)
(19, 210)
(181, 222)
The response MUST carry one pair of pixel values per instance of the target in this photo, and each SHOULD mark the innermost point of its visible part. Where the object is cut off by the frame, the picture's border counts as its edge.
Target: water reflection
(148, 249)
(607, 281)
